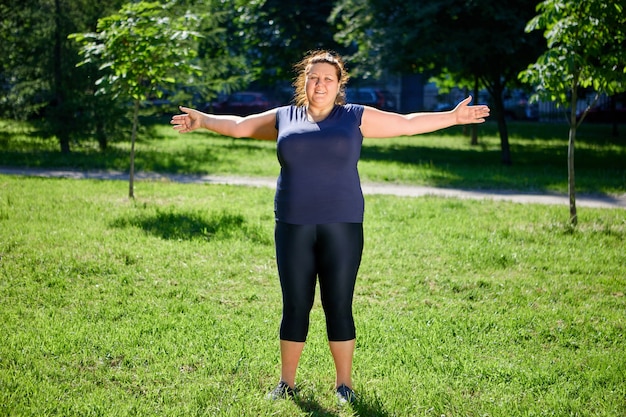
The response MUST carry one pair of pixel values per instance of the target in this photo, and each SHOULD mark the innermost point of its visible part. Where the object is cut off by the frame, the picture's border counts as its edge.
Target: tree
(472, 41)
(24, 31)
(38, 73)
(274, 34)
(142, 47)
(586, 49)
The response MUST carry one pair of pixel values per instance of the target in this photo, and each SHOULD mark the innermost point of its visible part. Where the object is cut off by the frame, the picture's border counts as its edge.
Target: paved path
(604, 201)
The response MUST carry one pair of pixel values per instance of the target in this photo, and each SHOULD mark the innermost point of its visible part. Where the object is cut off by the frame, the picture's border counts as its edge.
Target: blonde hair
(315, 57)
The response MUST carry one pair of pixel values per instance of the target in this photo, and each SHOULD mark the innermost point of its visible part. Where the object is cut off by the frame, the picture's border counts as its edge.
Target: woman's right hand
(187, 122)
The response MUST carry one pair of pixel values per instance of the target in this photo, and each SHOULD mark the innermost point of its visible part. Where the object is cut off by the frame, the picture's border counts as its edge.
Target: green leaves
(586, 42)
(586, 48)
(140, 48)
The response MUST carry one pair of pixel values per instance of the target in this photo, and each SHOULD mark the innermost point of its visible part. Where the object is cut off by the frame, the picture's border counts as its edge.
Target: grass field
(169, 304)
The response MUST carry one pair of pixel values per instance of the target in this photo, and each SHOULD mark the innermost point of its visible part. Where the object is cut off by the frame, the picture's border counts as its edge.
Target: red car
(242, 104)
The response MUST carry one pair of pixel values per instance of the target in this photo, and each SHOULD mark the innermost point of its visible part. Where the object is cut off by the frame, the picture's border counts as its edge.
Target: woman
(318, 202)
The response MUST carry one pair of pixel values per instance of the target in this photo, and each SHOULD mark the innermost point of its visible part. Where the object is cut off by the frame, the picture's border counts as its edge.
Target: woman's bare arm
(255, 126)
(381, 124)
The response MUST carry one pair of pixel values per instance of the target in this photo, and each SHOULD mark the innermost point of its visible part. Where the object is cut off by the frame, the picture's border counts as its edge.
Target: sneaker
(282, 391)
(345, 395)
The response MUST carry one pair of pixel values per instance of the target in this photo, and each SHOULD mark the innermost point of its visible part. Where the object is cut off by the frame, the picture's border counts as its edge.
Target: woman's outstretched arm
(380, 124)
(255, 126)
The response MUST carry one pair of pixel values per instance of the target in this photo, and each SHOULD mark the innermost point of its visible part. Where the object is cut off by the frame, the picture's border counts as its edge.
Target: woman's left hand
(466, 114)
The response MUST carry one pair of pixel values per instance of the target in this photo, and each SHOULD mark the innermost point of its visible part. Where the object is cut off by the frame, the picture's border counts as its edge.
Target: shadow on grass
(369, 407)
(192, 160)
(596, 133)
(313, 408)
(175, 225)
(535, 167)
(364, 407)
(150, 157)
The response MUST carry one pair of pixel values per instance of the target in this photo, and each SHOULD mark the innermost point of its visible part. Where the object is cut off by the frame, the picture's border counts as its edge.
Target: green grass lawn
(169, 305)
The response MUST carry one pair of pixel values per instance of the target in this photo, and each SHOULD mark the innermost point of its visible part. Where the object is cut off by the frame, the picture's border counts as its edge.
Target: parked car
(444, 107)
(518, 107)
(381, 99)
(242, 104)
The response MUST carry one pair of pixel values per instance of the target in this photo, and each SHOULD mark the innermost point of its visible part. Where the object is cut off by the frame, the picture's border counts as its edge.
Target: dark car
(381, 99)
(242, 104)
(518, 107)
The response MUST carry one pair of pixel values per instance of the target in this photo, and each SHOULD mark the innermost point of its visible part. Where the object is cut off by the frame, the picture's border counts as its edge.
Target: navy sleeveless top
(319, 181)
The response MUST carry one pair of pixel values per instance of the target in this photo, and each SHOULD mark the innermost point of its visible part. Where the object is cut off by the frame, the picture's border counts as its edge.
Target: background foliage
(477, 44)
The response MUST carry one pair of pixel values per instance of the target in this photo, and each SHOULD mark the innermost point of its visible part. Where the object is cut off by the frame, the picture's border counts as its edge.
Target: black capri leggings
(330, 252)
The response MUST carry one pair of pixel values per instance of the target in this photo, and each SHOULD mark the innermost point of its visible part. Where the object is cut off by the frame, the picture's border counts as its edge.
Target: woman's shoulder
(352, 107)
(353, 110)
(289, 114)
(289, 108)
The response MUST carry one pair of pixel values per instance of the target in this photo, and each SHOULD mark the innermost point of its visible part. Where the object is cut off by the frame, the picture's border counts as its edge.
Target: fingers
(467, 114)
(181, 116)
(482, 111)
(479, 111)
(185, 122)
(180, 122)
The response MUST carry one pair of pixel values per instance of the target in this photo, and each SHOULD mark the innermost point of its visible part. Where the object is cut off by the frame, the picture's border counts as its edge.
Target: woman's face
(322, 85)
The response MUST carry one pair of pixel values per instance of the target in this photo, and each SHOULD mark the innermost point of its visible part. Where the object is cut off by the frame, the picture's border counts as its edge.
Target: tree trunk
(504, 140)
(571, 184)
(474, 140)
(613, 114)
(101, 135)
(503, 130)
(64, 141)
(466, 128)
(58, 111)
(496, 89)
(131, 182)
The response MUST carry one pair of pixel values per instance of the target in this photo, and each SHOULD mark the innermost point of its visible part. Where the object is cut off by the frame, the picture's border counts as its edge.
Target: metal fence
(550, 112)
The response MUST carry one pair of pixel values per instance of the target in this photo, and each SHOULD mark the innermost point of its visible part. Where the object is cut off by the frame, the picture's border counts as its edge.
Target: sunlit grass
(170, 304)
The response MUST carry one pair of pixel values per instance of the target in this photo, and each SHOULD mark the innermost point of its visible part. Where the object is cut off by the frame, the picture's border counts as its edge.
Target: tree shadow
(536, 167)
(175, 225)
(192, 160)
